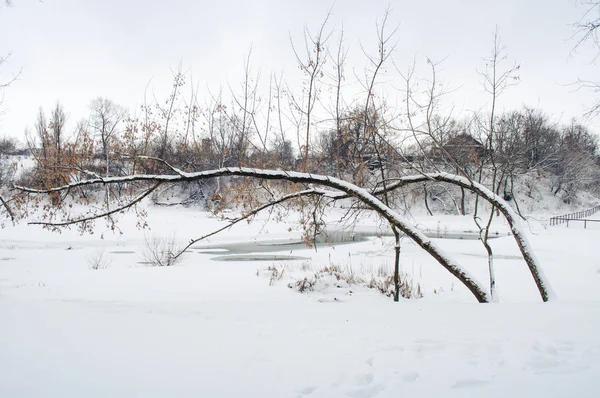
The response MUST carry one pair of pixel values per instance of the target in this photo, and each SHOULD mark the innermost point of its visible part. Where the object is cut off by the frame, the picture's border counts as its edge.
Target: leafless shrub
(161, 251)
(99, 259)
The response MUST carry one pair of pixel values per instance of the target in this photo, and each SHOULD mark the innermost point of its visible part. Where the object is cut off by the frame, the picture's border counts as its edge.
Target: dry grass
(306, 279)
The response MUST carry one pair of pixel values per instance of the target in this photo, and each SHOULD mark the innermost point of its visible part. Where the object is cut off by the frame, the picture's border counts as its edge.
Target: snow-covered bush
(305, 279)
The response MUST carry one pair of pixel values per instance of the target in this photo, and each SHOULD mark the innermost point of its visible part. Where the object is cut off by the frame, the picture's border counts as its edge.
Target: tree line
(295, 140)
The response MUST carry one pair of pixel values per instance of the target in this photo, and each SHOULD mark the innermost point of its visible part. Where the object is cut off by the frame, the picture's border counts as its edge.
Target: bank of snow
(214, 328)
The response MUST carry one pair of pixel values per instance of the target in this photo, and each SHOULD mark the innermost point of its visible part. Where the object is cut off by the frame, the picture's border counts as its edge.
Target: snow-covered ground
(213, 328)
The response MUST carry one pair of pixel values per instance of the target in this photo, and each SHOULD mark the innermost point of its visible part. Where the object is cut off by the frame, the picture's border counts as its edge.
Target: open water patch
(458, 235)
(259, 257)
(257, 250)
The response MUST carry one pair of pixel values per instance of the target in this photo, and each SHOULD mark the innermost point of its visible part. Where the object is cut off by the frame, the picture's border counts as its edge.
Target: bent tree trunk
(361, 194)
(512, 218)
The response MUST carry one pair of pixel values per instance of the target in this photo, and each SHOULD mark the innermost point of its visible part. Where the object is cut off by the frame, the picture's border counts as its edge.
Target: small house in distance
(463, 149)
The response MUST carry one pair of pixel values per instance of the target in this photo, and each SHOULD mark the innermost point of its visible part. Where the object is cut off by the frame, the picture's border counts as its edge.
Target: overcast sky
(75, 50)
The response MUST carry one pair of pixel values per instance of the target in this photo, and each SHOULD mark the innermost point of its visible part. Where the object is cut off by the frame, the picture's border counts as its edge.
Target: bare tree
(372, 132)
(245, 119)
(496, 80)
(8, 145)
(7, 172)
(576, 159)
(586, 31)
(57, 127)
(311, 63)
(342, 189)
(166, 116)
(105, 119)
(428, 128)
(431, 130)
(177, 143)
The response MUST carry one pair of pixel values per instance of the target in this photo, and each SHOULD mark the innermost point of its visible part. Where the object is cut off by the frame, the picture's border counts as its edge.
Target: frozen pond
(249, 251)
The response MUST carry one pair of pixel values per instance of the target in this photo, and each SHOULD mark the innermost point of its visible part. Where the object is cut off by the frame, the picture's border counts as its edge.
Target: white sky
(76, 50)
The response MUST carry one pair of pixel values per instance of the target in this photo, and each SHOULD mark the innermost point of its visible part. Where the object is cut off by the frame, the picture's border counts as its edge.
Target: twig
(96, 216)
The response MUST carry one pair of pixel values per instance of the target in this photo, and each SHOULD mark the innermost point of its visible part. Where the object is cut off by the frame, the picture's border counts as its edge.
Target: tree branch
(127, 205)
(394, 218)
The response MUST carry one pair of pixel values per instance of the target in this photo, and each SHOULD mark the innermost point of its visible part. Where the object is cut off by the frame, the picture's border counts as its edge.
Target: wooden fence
(577, 216)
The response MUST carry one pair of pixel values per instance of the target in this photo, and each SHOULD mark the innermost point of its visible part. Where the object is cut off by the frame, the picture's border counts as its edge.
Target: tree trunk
(396, 265)
(426, 194)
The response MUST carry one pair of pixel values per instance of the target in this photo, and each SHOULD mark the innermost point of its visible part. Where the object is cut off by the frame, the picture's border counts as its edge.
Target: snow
(213, 328)
(359, 193)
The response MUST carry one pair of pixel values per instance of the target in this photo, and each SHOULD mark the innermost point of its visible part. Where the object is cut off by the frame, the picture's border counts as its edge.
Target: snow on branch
(252, 213)
(361, 194)
(511, 216)
(96, 216)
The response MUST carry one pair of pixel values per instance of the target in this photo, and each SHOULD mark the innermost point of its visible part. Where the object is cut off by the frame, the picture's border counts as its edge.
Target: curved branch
(101, 215)
(7, 208)
(361, 194)
(250, 214)
(511, 217)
